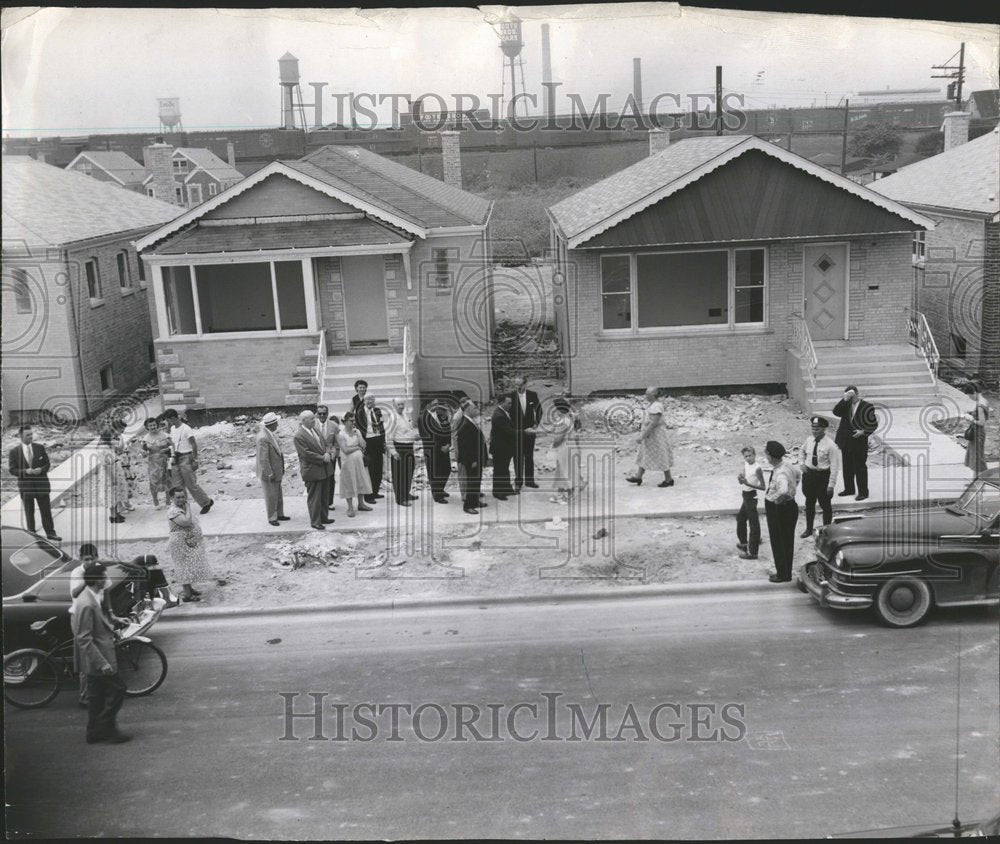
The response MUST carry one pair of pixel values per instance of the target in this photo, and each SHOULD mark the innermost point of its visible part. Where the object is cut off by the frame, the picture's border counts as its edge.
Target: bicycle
(32, 677)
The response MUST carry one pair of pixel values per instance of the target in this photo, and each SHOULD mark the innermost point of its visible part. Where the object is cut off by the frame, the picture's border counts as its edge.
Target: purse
(970, 432)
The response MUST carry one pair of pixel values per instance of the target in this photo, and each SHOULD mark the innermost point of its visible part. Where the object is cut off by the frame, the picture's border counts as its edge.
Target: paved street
(848, 725)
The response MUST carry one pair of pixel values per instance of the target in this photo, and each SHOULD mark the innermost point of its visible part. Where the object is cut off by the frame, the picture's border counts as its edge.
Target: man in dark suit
(94, 656)
(316, 468)
(471, 448)
(434, 425)
(29, 463)
(857, 422)
(369, 422)
(525, 414)
(328, 427)
(503, 445)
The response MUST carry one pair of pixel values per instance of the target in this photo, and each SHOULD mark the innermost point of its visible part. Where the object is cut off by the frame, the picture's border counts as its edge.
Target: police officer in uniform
(820, 469)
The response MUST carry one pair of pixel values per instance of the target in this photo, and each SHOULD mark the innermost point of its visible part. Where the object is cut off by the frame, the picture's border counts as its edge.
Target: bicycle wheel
(142, 666)
(30, 678)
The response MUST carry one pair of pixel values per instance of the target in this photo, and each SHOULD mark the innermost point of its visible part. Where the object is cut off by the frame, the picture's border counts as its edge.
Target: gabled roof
(120, 166)
(599, 207)
(48, 206)
(964, 178)
(987, 102)
(276, 236)
(209, 162)
(382, 189)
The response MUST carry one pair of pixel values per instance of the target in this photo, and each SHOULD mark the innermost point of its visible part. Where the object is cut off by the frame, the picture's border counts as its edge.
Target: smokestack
(451, 157)
(659, 140)
(231, 154)
(546, 58)
(637, 81)
(158, 160)
(956, 129)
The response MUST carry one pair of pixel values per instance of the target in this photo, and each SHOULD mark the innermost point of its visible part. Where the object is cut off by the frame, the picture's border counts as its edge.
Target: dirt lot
(498, 560)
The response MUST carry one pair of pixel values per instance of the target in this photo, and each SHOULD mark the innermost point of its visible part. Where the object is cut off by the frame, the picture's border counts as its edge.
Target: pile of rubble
(328, 552)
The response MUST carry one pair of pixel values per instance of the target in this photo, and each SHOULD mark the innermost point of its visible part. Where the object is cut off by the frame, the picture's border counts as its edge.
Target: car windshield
(24, 566)
(981, 499)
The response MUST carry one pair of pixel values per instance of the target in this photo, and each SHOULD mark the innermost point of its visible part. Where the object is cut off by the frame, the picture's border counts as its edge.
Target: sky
(76, 71)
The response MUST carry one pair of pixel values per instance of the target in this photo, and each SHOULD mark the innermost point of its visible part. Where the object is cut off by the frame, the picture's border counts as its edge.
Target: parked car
(36, 587)
(902, 564)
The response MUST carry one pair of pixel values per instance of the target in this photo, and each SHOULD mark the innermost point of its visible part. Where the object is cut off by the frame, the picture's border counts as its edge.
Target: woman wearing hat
(975, 433)
(781, 511)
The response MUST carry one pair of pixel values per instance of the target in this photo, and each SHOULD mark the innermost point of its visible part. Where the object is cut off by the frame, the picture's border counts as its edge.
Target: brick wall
(949, 287)
(600, 362)
(234, 372)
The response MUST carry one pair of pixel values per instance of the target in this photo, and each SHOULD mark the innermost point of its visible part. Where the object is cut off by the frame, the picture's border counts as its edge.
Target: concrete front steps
(890, 376)
(383, 372)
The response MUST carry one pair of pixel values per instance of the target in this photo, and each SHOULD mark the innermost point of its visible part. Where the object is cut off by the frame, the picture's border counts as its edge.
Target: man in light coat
(271, 468)
(94, 655)
(316, 468)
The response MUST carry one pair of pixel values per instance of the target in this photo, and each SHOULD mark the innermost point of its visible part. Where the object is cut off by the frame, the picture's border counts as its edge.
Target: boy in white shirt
(751, 479)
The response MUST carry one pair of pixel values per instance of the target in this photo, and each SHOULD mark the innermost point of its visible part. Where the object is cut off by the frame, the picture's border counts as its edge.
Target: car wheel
(903, 602)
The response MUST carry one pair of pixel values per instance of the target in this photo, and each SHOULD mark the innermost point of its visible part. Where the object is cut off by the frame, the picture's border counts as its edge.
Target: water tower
(508, 29)
(291, 95)
(170, 114)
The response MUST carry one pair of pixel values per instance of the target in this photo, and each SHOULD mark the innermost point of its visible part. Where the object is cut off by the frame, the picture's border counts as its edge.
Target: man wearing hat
(820, 468)
(781, 511)
(857, 422)
(271, 468)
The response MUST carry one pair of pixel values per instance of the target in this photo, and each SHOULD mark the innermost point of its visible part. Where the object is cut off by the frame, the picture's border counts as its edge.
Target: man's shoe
(276, 524)
(118, 738)
(284, 518)
(404, 504)
(742, 546)
(472, 511)
(774, 578)
(378, 495)
(318, 527)
(327, 521)
(845, 493)
(744, 555)
(440, 499)
(500, 497)
(860, 497)
(208, 506)
(532, 484)
(116, 520)
(806, 533)
(53, 537)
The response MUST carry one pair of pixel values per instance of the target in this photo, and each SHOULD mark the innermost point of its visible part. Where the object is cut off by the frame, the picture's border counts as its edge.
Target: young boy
(751, 479)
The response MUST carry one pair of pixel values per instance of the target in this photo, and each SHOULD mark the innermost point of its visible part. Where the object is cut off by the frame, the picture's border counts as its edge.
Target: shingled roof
(605, 204)
(117, 164)
(964, 178)
(48, 206)
(210, 163)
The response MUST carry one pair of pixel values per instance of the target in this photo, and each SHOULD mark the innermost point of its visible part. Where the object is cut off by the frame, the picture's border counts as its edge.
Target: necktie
(815, 446)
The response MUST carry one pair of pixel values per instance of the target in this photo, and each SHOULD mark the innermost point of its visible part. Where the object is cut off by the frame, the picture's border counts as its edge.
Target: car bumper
(811, 577)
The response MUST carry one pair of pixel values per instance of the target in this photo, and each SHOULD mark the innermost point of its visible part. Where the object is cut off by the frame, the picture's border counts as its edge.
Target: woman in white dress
(564, 428)
(654, 443)
(354, 480)
(115, 483)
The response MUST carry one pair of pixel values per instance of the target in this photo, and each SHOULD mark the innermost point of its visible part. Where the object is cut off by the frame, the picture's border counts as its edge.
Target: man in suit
(315, 466)
(401, 440)
(94, 655)
(503, 445)
(271, 468)
(857, 422)
(525, 414)
(29, 463)
(369, 422)
(328, 427)
(471, 448)
(434, 425)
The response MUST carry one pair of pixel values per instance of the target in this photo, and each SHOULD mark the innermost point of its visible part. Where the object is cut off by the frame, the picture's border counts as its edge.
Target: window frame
(110, 369)
(919, 249)
(93, 262)
(729, 326)
(124, 273)
(213, 189)
(190, 190)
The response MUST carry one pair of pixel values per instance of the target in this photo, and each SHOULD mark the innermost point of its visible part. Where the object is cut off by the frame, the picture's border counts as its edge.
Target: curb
(392, 604)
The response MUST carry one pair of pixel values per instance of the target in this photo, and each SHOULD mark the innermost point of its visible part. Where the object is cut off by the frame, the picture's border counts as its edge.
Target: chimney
(637, 81)
(40, 156)
(157, 159)
(659, 140)
(451, 158)
(956, 129)
(231, 154)
(546, 66)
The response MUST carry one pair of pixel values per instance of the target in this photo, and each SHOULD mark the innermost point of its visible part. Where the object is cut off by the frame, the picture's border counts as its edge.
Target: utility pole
(843, 146)
(718, 99)
(954, 72)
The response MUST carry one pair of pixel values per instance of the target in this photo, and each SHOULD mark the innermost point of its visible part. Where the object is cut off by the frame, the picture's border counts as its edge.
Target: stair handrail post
(321, 362)
(409, 358)
(803, 344)
(923, 339)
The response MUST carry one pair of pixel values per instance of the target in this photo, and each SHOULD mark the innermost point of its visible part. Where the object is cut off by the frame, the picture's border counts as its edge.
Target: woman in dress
(156, 447)
(114, 482)
(654, 443)
(975, 454)
(186, 545)
(354, 480)
(564, 428)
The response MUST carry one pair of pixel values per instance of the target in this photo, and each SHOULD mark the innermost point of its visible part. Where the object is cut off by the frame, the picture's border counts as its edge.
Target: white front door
(825, 276)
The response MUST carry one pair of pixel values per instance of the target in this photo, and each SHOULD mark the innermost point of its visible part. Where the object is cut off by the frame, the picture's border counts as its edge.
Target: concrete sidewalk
(935, 473)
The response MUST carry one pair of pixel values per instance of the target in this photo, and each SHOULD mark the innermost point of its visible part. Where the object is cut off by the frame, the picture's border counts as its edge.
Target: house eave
(810, 238)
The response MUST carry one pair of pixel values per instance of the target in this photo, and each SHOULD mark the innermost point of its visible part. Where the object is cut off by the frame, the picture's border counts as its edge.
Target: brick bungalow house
(704, 263)
(198, 174)
(956, 266)
(76, 328)
(110, 166)
(307, 274)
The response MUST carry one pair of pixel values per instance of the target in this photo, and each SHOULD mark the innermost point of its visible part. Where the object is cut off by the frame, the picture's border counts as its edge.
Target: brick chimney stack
(659, 140)
(231, 154)
(956, 129)
(158, 160)
(451, 157)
